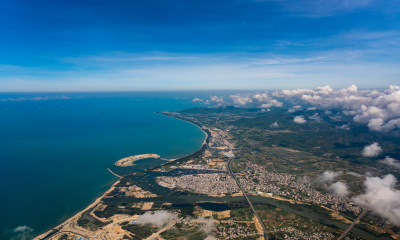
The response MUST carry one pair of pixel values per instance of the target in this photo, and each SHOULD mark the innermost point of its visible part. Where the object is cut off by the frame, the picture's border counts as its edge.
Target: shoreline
(56, 229)
(197, 125)
(129, 161)
(201, 149)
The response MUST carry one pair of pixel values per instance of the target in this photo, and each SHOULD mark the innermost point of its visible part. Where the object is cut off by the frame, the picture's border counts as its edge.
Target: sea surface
(55, 149)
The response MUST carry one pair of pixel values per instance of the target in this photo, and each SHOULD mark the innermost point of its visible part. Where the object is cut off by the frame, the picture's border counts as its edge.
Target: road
(353, 224)
(247, 198)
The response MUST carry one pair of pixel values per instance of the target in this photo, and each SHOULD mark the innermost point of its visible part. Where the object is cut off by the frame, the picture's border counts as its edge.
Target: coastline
(54, 231)
(196, 124)
(194, 154)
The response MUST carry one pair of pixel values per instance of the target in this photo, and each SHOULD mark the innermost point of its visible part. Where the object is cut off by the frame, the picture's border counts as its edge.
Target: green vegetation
(183, 231)
(140, 231)
(302, 151)
(242, 214)
(89, 222)
(65, 237)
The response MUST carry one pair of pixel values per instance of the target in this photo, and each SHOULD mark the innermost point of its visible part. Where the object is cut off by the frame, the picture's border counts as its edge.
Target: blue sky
(127, 45)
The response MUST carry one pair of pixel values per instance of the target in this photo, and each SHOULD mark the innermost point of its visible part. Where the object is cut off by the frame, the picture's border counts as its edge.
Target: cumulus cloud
(241, 100)
(262, 100)
(328, 176)
(381, 197)
(215, 100)
(316, 117)
(274, 125)
(197, 100)
(261, 97)
(344, 127)
(379, 110)
(339, 188)
(391, 162)
(294, 108)
(22, 233)
(372, 150)
(272, 103)
(258, 100)
(207, 225)
(299, 119)
(157, 218)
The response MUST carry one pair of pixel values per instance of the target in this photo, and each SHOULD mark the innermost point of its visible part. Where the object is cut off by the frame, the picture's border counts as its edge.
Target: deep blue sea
(55, 148)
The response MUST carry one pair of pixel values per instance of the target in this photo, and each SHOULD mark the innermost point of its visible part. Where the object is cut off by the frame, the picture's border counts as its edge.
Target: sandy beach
(65, 226)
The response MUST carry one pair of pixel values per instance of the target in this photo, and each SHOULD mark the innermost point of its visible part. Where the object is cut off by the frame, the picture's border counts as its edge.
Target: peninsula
(129, 161)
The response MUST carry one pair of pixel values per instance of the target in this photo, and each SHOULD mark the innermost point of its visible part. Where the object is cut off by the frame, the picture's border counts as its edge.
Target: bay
(55, 148)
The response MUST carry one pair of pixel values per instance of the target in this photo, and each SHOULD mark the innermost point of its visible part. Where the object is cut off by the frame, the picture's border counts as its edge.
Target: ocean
(55, 149)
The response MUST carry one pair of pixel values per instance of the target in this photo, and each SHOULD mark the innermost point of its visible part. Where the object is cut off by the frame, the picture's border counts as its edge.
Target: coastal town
(167, 191)
(216, 184)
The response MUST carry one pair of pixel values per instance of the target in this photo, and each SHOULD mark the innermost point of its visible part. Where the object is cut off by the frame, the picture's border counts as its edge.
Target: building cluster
(295, 234)
(258, 178)
(212, 184)
(233, 230)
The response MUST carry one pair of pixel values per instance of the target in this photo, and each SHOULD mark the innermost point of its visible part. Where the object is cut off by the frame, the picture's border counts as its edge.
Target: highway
(243, 190)
(353, 224)
(247, 198)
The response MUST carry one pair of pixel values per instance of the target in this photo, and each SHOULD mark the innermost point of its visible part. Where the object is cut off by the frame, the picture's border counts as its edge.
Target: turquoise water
(55, 150)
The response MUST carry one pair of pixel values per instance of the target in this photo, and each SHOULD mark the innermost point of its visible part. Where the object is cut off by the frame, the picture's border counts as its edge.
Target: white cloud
(197, 100)
(328, 176)
(258, 100)
(207, 225)
(274, 125)
(158, 218)
(339, 188)
(381, 197)
(295, 92)
(272, 103)
(372, 150)
(299, 119)
(215, 100)
(261, 97)
(316, 117)
(391, 162)
(379, 110)
(22, 233)
(241, 100)
(344, 127)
